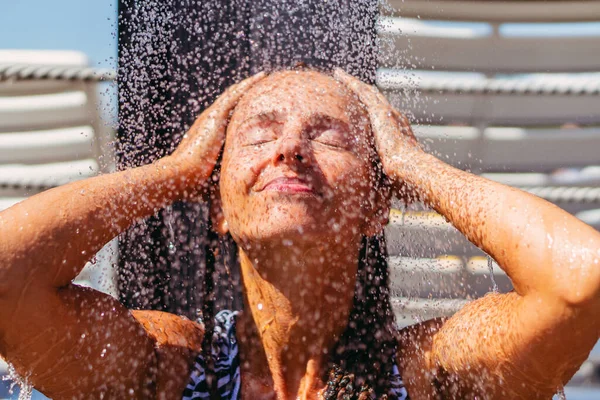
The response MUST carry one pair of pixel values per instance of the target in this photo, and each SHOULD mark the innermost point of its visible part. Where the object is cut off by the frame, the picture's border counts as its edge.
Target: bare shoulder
(496, 347)
(178, 340)
(454, 357)
(415, 345)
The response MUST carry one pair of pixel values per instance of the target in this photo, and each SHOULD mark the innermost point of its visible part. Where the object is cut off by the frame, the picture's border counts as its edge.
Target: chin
(294, 233)
(293, 223)
(287, 233)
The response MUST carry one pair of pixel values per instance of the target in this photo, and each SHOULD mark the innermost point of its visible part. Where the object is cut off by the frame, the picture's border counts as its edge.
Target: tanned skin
(74, 342)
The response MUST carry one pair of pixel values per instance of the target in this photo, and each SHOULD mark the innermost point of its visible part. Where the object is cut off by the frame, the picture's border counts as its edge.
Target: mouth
(289, 185)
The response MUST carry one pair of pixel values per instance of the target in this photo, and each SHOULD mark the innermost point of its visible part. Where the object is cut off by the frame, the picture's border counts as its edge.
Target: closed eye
(259, 135)
(332, 137)
(329, 131)
(257, 143)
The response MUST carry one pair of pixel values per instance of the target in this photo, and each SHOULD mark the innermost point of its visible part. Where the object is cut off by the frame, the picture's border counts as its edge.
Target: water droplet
(25, 387)
(490, 262)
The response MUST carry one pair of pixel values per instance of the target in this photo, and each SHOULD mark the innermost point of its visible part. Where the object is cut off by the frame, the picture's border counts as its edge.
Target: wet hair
(363, 359)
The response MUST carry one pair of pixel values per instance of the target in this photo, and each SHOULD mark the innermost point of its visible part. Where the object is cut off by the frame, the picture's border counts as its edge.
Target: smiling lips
(289, 185)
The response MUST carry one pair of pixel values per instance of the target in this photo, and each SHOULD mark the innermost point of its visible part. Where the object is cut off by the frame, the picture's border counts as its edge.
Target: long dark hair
(368, 347)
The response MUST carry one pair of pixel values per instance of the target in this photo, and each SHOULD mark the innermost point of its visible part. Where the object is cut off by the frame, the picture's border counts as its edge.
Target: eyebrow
(314, 117)
(328, 118)
(273, 114)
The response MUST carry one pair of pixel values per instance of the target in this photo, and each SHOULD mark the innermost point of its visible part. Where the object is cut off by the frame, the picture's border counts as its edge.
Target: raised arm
(75, 342)
(525, 344)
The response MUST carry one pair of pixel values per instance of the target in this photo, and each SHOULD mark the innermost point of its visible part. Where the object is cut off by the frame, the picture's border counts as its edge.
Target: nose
(292, 148)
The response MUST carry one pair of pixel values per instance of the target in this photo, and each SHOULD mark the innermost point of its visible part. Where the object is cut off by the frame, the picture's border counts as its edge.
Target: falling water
(403, 211)
(25, 388)
(169, 218)
(490, 263)
(175, 58)
(560, 394)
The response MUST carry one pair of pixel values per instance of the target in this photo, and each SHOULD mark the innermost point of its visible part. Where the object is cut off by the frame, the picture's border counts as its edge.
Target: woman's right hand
(199, 149)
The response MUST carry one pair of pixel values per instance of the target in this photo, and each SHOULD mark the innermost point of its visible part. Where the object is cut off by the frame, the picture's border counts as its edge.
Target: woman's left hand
(394, 138)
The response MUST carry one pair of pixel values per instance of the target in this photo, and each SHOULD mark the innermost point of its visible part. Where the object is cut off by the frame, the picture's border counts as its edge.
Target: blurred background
(507, 89)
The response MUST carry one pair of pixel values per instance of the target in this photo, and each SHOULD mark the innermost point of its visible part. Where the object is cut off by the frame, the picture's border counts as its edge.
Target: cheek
(242, 168)
(238, 176)
(347, 175)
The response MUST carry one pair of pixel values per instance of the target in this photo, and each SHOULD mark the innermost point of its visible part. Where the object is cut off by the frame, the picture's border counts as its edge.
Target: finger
(378, 107)
(232, 95)
(216, 116)
(371, 96)
(368, 95)
(386, 121)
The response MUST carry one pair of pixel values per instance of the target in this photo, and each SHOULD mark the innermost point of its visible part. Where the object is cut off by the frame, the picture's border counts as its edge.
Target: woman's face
(298, 163)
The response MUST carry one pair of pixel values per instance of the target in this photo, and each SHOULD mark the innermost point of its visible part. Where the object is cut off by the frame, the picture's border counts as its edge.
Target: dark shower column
(175, 57)
(323, 33)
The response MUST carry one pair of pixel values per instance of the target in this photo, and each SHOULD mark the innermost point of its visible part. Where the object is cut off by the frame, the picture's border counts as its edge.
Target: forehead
(298, 92)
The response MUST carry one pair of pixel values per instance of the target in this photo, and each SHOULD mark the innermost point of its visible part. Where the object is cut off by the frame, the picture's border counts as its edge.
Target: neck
(299, 301)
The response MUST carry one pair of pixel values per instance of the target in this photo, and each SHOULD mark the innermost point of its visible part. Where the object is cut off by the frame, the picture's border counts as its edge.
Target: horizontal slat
(55, 57)
(514, 149)
(524, 110)
(11, 72)
(498, 11)
(36, 87)
(36, 58)
(446, 277)
(489, 54)
(524, 149)
(46, 146)
(410, 311)
(427, 278)
(45, 175)
(569, 178)
(475, 83)
(43, 111)
(428, 235)
(10, 192)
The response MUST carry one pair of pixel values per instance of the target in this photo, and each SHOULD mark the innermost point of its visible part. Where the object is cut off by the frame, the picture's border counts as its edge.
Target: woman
(302, 191)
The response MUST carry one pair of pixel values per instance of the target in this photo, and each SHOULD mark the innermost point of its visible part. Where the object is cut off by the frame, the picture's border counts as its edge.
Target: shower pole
(175, 57)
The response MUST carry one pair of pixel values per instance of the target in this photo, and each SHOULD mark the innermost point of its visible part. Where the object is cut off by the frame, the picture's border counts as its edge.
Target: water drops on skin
(550, 240)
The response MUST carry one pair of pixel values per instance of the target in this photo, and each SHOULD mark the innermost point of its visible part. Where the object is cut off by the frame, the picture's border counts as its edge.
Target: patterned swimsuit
(227, 366)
